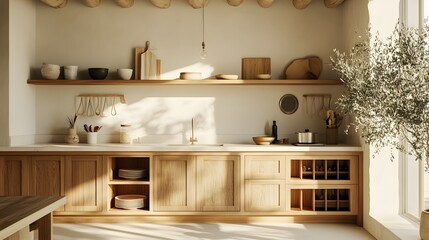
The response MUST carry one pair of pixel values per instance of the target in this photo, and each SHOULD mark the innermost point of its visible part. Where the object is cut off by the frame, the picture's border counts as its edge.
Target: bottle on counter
(125, 134)
(274, 133)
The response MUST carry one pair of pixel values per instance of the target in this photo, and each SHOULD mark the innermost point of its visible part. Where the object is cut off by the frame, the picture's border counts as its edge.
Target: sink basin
(197, 145)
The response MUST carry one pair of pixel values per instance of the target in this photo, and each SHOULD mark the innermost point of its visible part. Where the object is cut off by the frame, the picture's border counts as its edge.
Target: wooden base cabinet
(193, 186)
(174, 183)
(14, 175)
(83, 183)
(218, 183)
(47, 176)
(196, 183)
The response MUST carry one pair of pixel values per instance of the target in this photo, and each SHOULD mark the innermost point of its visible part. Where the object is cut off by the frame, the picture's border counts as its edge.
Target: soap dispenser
(274, 133)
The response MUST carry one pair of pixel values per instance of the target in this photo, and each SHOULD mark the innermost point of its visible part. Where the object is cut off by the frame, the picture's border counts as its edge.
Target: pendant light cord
(203, 22)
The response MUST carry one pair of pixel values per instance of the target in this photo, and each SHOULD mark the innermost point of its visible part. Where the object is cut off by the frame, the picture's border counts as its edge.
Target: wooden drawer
(264, 196)
(264, 167)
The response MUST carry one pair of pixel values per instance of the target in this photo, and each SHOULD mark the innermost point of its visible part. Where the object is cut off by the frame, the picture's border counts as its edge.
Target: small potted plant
(72, 137)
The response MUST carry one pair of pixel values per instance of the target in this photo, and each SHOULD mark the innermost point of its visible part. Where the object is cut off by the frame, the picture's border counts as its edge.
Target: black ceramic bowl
(98, 73)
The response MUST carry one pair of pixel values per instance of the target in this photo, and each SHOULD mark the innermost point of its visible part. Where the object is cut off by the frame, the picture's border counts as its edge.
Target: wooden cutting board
(304, 68)
(250, 67)
(148, 69)
(137, 62)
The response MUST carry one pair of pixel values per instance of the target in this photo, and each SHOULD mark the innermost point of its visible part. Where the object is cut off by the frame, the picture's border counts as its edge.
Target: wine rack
(324, 199)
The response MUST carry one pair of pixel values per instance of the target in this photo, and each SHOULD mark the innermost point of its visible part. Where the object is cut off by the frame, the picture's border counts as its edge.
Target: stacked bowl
(50, 71)
(132, 173)
(131, 201)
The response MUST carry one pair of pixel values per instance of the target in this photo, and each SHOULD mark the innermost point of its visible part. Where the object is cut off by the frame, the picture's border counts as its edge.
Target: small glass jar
(125, 134)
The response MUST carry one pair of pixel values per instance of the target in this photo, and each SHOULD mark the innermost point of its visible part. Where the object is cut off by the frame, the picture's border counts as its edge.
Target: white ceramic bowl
(50, 71)
(125, 73)
(131, 201)
(190, 75)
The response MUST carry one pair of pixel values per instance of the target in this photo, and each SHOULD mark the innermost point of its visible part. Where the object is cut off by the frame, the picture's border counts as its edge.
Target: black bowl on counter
(98, 73)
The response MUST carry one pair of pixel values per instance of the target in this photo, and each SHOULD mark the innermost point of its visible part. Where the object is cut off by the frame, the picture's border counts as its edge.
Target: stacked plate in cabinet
(132, 173)
(131, 201)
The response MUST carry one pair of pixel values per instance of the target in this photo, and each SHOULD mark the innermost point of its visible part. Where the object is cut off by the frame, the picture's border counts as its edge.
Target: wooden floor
(222, 231)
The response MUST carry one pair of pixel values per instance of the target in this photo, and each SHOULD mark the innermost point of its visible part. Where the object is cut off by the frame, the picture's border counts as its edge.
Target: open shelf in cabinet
(189, 82)
(320, 169)
(139, 189)
(129, 162)
(322, 200)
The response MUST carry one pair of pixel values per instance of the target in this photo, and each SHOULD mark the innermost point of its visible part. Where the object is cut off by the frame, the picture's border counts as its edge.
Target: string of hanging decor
(298, 4)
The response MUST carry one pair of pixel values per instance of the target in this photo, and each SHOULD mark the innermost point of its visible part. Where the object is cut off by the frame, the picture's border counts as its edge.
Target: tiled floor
(191, 231)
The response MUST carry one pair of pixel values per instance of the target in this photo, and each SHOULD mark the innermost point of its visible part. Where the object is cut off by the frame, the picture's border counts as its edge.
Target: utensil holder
(91, 137)
(332, 136)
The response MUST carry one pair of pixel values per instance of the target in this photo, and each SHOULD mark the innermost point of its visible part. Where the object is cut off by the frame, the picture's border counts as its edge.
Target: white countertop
(177, 148)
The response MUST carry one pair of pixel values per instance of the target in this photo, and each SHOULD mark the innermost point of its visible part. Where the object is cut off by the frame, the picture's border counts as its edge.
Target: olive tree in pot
(387, 92)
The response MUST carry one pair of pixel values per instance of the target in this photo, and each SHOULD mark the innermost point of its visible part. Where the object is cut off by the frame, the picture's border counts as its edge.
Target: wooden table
(20, 212)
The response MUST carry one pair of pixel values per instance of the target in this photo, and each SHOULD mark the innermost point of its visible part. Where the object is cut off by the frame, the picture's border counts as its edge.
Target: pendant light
(203, 52)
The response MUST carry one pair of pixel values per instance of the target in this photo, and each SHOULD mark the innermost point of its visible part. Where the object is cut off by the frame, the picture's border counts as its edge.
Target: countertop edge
(184, 148)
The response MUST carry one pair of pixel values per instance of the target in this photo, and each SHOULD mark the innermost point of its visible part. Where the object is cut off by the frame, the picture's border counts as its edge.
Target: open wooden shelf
(187, 82)
(129, 182)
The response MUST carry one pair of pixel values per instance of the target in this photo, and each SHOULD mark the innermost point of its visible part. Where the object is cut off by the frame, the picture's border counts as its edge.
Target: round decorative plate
(288, 104)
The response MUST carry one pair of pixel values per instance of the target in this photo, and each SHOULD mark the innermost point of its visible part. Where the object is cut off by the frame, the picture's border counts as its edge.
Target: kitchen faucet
(193, 139)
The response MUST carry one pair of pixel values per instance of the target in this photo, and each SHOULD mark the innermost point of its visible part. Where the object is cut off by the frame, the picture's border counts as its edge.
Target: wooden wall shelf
(187, 82)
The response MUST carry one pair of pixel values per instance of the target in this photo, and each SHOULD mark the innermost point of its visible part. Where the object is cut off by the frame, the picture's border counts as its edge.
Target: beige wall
(4, 73)
(106, 35)
(22, 109)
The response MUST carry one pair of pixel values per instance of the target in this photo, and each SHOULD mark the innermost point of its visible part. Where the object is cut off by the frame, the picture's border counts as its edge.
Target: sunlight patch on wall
(167, 116)
(205, 69)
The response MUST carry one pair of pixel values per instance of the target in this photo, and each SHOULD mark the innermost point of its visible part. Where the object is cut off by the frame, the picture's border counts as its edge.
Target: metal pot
(306, 136)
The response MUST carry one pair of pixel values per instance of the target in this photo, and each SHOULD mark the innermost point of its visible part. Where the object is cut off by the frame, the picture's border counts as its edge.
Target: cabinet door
(264, 167)
(264, 195)
(174, 180)
(218, 179)
(83, 183)
(14, 175)
(46, 176)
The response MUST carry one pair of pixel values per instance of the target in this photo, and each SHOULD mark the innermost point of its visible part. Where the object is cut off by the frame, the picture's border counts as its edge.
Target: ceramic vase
(72, 137)
(424, 225)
